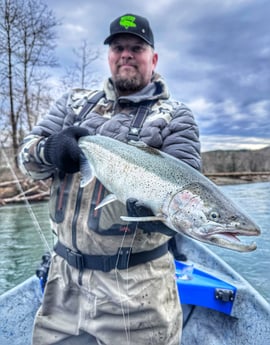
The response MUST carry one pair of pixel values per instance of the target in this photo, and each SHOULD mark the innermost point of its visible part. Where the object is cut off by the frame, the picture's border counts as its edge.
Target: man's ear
(155, 60)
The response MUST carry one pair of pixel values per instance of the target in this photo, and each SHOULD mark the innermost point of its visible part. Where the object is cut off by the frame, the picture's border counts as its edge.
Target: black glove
(62, 149)
(136, 208)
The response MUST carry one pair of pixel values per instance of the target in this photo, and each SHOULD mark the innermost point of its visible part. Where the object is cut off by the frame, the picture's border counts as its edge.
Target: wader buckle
(122, 258)
(75, 259)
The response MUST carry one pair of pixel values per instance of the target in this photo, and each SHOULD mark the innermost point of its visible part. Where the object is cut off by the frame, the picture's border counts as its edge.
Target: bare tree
(27, 42)
(37, 37)
(81, 73)
(9, 43)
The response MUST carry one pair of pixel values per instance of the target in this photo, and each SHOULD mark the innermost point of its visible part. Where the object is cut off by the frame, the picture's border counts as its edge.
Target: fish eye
(214, 215)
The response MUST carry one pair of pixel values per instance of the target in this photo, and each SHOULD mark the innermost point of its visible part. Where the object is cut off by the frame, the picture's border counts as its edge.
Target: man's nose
(127, 53)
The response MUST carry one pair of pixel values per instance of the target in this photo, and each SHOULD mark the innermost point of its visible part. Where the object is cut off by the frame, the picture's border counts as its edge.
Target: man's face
(132, 62)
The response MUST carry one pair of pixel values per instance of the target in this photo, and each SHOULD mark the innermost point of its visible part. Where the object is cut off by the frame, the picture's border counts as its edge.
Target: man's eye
(137, 49)
(118, 48)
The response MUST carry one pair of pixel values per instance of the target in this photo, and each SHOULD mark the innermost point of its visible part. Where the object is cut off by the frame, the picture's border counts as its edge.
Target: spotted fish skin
(180, 196)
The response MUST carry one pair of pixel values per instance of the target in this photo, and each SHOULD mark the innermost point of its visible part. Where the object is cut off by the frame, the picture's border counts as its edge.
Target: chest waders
(124, 258)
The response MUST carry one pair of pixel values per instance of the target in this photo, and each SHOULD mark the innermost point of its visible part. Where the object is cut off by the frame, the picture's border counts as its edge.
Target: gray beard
(128, 85)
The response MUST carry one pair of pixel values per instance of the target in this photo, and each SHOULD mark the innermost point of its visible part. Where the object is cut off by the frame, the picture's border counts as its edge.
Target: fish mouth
(230, 239)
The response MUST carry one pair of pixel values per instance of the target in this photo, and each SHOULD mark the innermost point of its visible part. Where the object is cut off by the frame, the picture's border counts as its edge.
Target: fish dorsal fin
(140, 144)
(107, 200)
(143, 146)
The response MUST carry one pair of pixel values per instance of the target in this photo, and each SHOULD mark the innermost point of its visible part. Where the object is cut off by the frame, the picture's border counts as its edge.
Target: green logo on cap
(128, 22)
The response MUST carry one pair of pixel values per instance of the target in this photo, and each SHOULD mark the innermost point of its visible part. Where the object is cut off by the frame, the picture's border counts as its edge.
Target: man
(93, 294)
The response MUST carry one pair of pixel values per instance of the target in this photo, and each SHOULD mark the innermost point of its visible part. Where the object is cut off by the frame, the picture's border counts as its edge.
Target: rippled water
(21, 246)
(254, 198)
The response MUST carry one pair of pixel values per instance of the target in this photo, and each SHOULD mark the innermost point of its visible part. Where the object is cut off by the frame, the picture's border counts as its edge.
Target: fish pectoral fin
(142, 219)
(86, 171)
(107, 200)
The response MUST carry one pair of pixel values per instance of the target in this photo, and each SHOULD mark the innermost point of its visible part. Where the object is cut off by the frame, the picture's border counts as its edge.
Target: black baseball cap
(131, 24)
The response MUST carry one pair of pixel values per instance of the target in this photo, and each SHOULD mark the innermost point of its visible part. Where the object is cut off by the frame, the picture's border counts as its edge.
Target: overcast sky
(213, 54)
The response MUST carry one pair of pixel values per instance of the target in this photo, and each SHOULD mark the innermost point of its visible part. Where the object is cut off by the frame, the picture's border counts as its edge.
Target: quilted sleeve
(181, 137)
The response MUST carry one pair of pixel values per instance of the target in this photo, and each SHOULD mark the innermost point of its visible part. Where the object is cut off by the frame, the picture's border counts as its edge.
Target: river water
(21, 246)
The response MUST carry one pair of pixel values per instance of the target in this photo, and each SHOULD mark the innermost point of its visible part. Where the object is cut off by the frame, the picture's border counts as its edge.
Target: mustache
(120, 64)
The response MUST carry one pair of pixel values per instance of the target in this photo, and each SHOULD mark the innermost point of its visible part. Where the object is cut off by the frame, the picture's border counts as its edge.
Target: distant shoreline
(40, 190)
(241, 179)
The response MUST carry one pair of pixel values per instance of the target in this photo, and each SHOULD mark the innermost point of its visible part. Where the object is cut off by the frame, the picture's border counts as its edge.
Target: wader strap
(138, 120)
(136, 123)
(122, 260)
(90, 104)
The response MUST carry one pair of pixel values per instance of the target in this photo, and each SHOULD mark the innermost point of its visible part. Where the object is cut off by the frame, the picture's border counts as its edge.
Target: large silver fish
(181, 197)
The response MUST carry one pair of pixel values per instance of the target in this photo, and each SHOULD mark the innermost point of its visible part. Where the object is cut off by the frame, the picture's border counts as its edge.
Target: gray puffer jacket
(169, 127)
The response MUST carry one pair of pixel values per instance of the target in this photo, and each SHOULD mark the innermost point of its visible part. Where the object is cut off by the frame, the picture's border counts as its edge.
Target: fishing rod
(28, 205)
